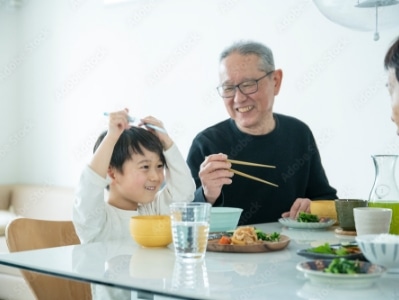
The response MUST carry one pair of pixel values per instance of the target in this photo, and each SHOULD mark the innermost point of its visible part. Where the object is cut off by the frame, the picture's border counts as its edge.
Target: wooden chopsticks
(238, 162)
(252, 177)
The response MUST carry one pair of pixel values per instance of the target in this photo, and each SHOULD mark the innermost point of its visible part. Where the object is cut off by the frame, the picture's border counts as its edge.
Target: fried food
(244, 236)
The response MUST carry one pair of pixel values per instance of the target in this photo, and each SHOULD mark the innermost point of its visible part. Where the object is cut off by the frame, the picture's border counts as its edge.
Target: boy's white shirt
(95, 220)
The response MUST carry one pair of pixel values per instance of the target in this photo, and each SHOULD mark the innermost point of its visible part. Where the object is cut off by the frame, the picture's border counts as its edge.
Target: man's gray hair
(247, 48)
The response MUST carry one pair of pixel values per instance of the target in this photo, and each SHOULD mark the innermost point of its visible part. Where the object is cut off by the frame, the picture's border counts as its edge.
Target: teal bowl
(224, 218)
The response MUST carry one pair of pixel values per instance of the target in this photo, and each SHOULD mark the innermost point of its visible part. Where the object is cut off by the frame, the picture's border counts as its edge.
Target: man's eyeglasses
(246, 87)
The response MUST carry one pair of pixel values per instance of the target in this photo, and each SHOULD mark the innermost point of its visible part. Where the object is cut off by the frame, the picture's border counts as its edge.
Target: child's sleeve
(89, 206)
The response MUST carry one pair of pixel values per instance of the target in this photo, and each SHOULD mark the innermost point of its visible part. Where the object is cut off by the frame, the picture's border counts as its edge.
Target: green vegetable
(273, 237)
(341, 251)
(307, 218)
(326, 249)
(343, 266)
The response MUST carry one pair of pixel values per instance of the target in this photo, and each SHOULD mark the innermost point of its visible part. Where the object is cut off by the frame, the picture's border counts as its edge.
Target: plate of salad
(341, 272)
(307, 221)
(327, 251)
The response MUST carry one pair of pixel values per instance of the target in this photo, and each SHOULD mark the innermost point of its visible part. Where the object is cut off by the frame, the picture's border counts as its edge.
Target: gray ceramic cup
(344, 208)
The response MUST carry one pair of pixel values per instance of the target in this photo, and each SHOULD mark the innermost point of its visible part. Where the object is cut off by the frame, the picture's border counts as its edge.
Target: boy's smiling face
(141, 179)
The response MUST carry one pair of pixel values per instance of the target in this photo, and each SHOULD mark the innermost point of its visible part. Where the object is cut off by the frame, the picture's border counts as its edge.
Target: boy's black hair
(131, 141)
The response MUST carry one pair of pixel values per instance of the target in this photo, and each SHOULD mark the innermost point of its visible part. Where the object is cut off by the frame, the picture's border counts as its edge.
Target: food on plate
(247, 235)
(341, 250)
(272, 237)
(307, 218)
(343, 266)
(244, 236)
(310, 218)
(225, 240)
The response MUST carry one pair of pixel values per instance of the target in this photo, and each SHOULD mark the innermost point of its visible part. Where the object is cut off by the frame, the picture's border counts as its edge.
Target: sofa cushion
(5, 217)
(44, 202)
(3, 245)
(5, 196)
(33, 201)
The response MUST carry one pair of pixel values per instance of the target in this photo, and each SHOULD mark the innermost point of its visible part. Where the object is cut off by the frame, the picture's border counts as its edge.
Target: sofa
(33, 201)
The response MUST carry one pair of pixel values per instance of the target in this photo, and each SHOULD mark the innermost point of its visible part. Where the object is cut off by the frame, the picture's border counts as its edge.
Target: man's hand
(300, 205)
(214, 173)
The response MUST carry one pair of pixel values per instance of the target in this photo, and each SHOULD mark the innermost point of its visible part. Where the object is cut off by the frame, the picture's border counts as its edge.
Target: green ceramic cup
(344, 208)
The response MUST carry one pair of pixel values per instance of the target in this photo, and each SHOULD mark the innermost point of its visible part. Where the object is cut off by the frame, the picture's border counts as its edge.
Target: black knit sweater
(290, 147)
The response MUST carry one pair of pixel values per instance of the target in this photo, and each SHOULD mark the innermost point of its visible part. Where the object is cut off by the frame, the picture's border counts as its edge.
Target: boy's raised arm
(118, 122)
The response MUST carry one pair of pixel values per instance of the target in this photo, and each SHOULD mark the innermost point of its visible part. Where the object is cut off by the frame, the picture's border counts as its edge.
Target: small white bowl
(380, 249)
(224, 218)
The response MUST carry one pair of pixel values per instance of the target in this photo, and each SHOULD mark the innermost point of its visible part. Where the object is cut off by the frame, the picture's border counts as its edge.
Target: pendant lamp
(363, 15)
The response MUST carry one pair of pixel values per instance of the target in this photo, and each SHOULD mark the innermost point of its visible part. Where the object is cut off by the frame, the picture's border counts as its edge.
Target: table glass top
(273, 275)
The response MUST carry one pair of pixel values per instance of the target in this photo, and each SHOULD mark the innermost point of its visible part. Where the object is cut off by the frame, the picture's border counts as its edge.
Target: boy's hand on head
(118, 122)
(165, 139)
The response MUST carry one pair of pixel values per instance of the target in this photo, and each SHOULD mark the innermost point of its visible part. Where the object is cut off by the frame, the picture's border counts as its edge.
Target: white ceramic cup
(372, 220)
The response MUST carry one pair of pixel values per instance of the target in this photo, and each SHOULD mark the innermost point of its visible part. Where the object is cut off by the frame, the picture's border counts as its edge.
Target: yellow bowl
(151, 231)
(323, 209)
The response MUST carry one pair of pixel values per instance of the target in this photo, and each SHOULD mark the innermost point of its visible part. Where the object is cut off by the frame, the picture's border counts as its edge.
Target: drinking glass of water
(190, 229)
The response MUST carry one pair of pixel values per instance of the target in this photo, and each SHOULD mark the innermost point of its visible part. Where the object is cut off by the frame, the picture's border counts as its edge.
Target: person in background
(143, 172)
(249, 83)
(391, 64)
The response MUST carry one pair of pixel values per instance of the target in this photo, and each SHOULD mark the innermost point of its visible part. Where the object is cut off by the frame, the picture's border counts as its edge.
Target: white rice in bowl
(386, 238)
(380, 249)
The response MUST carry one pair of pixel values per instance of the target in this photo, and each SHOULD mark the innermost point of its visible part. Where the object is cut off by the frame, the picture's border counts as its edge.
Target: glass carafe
(385, 192)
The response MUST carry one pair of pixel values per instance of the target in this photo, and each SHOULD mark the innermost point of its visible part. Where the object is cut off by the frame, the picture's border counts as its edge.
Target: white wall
(63, 63)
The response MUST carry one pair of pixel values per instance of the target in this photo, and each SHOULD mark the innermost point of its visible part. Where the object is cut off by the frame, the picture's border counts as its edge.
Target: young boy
(143, 172)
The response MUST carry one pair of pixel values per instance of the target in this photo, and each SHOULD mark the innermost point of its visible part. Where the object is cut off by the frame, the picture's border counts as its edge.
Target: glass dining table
(222, 275)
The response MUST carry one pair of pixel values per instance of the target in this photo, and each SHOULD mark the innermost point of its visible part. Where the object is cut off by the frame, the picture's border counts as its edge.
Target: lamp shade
(362, 15)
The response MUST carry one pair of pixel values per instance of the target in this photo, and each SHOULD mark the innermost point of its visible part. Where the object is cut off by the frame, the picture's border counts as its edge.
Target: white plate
(306, 225)
(314, 271)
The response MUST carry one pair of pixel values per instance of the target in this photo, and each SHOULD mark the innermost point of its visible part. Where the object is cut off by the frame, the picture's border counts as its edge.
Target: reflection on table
(271, 275)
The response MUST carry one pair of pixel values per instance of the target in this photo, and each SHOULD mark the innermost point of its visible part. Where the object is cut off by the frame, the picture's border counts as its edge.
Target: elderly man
(249, 83)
